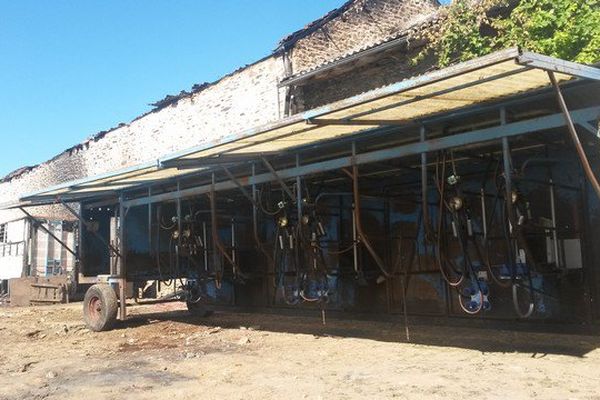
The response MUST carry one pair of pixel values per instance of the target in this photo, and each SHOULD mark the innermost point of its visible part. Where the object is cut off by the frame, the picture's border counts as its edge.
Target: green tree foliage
(567, 29)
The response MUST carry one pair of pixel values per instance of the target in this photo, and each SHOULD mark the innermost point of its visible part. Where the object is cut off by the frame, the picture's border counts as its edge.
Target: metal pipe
(149, 223)
(179, 230)
(483, 213)
(233, 244)
(424, 186)
(554, 231)
(573, 132)
(298, 192)
(354, 240)
(205, 250)
(513, 225)
(122, 270)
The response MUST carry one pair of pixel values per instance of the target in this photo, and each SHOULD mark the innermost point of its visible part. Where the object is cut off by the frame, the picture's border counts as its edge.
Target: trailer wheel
(100, 307)
(198, 309)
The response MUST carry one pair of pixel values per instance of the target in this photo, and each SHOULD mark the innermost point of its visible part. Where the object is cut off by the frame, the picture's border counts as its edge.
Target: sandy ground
(161, 353)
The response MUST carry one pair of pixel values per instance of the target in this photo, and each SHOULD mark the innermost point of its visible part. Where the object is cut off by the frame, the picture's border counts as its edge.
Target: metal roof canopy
(490, 78)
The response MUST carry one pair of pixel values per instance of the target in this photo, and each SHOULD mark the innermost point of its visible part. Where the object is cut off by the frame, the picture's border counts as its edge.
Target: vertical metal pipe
(179, 226)
(508, 180)
(122, 271)
(354, 239)
(507, 166)
(483, 213)
(233, 251)
(298, 192)
(149, 223)
(205, 238)
(424, 191)
(214, 232)
(254, 208)
(557, 259)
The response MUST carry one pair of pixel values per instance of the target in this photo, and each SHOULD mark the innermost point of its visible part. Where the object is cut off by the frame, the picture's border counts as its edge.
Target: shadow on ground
(430, 333)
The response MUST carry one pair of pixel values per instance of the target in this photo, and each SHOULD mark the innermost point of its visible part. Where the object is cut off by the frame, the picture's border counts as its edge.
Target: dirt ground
(161, 353)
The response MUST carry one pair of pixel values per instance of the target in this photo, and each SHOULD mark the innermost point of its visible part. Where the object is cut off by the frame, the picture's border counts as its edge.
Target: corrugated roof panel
(313, 135)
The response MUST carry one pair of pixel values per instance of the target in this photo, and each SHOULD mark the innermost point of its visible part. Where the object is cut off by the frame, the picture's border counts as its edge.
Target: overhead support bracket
(40, 225)
(552, 65)
(240, 186)
(278, 178)
(588, 127)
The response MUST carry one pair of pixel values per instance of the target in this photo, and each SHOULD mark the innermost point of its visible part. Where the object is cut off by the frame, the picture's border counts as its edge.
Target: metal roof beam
(440, 143)
(557, 65)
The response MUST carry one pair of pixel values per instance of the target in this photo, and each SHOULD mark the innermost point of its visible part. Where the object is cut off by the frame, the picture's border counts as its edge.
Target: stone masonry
(241, 100)
(357, 25)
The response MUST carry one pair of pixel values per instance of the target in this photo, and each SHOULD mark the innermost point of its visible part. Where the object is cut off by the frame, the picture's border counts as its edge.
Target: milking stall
(468, 192)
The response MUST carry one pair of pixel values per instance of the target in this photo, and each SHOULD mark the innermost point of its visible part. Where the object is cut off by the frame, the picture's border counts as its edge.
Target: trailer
(466, 191)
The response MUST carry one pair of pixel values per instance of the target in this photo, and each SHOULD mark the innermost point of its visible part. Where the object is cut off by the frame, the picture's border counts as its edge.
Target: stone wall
(244, 99)
(358, 25)
(388, 68)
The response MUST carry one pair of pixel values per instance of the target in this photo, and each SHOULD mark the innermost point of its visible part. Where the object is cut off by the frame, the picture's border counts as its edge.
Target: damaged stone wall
(388, 68)
(244, 99)
(355, 26)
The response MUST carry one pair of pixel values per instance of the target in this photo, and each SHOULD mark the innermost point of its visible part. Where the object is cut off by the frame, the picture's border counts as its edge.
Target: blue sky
(69, 69)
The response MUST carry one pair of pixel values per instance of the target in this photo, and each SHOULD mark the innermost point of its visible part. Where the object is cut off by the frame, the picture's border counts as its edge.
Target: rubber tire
(104, 318)
(198, 309)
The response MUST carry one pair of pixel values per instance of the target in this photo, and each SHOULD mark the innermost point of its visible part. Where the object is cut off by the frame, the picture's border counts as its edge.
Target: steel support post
(298, 192)
(149, 223)
(424, 185)
(179, 227)
(122, 266)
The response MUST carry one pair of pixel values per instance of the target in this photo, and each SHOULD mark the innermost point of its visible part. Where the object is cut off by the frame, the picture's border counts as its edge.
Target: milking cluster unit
(479, 239)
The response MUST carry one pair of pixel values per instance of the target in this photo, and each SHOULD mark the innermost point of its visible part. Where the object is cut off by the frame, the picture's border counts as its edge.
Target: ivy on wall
(567, 29)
